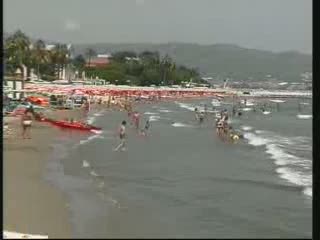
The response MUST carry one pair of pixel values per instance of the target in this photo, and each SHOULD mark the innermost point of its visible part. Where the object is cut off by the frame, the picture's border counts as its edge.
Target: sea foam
(178, 124)
(292, 168)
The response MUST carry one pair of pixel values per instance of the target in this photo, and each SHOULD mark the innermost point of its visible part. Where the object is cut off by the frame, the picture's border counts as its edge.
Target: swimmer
(122, 136)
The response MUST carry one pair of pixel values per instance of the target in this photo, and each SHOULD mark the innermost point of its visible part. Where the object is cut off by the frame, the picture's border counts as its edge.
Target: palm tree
(90, 53)
(22, 44)
(60, 56)
(10, 60)
(40, 55)
(150, 58)
(166, 67)
(194, 73)
(17, 48)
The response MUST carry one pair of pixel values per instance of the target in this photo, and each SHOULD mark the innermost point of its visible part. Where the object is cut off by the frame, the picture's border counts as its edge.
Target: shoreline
(31, 204)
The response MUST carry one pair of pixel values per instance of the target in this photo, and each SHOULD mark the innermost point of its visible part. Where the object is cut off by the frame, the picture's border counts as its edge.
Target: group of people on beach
(224, 130)
(135, 119)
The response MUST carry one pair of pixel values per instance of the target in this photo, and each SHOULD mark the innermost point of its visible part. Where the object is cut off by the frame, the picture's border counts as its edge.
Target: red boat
(74, 125)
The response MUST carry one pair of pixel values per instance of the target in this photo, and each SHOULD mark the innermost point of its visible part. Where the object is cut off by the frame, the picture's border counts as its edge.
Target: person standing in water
(146, 128)
(206, 111)
(86, 107)
(136, 119)
(122, 136)
(234, 111)
(196, 111)
(201, 117)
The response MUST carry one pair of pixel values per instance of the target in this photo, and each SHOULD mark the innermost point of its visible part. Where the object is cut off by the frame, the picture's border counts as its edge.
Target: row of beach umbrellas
(118, 91)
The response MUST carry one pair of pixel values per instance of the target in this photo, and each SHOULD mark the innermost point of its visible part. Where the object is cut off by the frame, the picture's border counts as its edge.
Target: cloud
(71, 25)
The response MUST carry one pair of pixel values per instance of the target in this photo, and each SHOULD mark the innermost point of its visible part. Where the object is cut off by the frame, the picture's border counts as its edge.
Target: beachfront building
(98, 62)
(14, 87)
(128, 59)
(107, 55)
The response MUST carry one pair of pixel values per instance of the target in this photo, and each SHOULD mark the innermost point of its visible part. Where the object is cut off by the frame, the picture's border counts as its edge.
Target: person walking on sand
(26, 121)
(122, 136)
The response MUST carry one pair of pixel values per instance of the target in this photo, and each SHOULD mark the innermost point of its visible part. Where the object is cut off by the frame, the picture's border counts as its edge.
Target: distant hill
(223, 60)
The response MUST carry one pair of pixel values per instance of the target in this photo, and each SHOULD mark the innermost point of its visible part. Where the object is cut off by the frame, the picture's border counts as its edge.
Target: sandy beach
(31, 205)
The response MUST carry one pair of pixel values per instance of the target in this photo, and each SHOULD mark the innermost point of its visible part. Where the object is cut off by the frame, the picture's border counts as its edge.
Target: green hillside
(223, 60)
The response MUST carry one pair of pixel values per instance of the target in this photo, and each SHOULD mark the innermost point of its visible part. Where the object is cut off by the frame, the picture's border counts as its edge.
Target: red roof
(95, 62)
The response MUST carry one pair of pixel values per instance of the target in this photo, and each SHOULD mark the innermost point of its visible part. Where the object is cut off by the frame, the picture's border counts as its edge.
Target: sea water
(181, 180)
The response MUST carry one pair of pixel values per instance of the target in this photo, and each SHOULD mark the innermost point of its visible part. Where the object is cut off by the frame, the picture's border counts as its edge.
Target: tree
(151, 58)
(134, 68)
(79, 62)
(17, 49)
(40, 55)
(122, 55)
(59, 56)
(150, 76)
(166, 68)
(89, 54)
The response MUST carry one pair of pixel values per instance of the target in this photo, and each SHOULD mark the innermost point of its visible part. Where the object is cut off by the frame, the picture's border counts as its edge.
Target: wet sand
(30, 204)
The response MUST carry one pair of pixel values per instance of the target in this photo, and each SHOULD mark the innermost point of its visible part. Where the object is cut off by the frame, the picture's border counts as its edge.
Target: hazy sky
(277, 25)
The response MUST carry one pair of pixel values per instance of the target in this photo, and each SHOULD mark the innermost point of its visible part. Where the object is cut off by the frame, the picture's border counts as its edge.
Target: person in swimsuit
(201, 117)
(205, 110)
(122, 136)
(219, 127)
(136, 119)
(234, 111)
(196, 111)
(146, 128)
(26, 121)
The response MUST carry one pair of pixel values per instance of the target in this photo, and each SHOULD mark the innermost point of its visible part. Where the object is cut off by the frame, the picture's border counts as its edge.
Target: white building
(104, 56)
